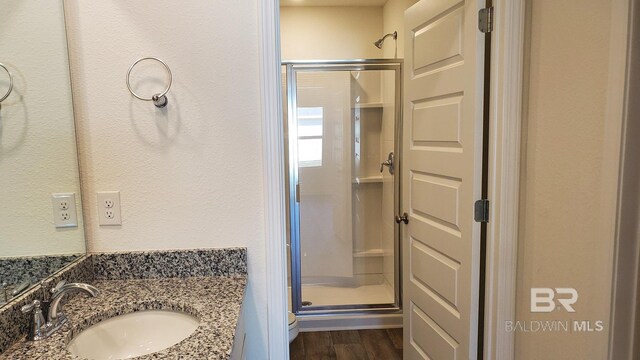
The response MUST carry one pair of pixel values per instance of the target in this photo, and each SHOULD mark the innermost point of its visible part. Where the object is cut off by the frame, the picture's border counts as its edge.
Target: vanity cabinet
(239, 340)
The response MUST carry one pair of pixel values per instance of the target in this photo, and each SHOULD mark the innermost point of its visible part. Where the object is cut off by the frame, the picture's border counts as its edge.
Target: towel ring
(159, 100)
(10, 83)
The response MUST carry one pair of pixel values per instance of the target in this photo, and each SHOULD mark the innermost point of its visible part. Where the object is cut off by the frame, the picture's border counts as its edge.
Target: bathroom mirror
(41, 223)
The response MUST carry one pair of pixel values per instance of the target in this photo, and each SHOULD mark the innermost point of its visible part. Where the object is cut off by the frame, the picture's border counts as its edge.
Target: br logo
(543, 300)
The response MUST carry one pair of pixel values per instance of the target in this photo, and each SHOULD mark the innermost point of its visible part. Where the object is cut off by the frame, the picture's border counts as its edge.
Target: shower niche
(342, 120)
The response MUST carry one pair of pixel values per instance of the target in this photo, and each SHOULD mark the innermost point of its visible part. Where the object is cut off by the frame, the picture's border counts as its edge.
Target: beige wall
(564, 239)
(330, 33)
(393, 20)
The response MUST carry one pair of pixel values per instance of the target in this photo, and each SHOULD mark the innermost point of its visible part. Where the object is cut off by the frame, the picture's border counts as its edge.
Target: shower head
(379, 43)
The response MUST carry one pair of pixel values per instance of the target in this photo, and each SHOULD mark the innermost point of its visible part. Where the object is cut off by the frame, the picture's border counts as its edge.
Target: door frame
(273, 179)
(505, 122)
(624, 84)
(506, 109)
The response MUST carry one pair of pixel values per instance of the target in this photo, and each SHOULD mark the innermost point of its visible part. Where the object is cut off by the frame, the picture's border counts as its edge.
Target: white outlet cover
(109, 212)
(64, 210)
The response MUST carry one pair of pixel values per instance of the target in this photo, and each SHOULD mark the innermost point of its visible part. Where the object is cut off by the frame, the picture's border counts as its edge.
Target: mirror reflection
(41, 225)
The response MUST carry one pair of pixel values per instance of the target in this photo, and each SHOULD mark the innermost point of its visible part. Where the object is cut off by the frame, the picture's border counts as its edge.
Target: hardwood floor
(384, 344)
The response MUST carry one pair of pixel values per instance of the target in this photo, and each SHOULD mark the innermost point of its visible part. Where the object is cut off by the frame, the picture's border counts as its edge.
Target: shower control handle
(388, 163)
(402, 218)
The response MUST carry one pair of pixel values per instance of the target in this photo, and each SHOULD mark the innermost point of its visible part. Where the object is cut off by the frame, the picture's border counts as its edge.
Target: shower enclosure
(342, 126)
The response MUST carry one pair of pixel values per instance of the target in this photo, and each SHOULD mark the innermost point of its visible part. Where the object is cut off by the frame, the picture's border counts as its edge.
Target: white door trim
(273, 177)
(507, 58)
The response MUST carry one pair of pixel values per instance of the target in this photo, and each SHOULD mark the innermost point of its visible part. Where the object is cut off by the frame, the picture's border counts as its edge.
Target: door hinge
(481, 211)
(485, 20)
(297, 193)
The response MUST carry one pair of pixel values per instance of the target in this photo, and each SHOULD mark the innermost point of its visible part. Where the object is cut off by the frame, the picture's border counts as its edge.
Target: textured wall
(37, 140)
(393, 20)
(330, 33)
(563, 240)
(190, 175)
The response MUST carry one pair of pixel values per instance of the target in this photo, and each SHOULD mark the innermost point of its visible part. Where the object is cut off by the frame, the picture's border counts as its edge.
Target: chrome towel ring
(10, 83)
(159, 100)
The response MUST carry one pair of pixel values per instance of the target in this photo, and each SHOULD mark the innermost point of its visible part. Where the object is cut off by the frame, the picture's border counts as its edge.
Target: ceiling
(376, 3)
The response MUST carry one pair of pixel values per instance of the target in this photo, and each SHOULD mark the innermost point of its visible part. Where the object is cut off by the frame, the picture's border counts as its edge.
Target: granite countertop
(215, 300)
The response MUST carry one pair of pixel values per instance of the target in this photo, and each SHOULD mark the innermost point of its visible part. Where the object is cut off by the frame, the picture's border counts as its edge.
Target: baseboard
(349, 322)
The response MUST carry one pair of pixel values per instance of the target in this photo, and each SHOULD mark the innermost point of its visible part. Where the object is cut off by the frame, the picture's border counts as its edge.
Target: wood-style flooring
(384, 344)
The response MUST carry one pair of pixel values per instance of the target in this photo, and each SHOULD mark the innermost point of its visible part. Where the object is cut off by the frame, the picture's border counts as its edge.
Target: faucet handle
(389, 163)
(38, 324)
(33, 307)
(58, 286)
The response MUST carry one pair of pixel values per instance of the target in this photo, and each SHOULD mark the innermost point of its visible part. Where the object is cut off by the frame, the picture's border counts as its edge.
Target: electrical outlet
(109, 212)
(64, 210)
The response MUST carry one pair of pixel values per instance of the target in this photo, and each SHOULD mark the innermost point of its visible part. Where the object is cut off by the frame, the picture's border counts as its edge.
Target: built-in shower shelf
(368, 179)
(368, 253)
(373, 105)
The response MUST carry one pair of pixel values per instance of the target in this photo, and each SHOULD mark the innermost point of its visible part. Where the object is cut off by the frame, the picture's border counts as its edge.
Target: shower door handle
(402, 218)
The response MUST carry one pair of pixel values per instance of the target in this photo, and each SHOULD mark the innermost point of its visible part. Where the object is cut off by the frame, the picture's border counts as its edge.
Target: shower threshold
(324, 295)
(348, 308)
(327, 299)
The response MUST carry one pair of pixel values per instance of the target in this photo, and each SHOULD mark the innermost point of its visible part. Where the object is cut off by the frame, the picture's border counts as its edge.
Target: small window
(310, 136)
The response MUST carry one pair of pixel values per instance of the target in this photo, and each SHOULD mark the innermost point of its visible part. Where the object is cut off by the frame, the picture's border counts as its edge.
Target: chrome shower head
(379, 43)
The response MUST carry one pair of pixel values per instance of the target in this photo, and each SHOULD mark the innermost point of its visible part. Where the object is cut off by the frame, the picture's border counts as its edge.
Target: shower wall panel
(325, 191)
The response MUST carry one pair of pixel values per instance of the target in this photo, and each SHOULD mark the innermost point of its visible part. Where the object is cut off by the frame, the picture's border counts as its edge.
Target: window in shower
(309, 136)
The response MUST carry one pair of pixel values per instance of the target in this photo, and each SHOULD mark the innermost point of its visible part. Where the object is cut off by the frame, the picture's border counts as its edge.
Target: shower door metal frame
(292, 68)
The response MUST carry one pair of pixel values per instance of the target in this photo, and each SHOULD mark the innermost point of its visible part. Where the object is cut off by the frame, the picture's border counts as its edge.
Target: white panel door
(442, 154)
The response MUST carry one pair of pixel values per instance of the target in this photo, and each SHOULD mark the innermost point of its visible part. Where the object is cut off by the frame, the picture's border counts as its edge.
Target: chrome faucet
(55, 317)
(55, 314)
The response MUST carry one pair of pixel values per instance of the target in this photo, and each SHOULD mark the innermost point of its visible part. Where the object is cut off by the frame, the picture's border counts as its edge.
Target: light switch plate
(109, 212)
(64, 210)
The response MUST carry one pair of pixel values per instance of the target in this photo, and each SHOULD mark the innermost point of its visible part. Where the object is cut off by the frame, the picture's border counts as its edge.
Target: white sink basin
(135, 334)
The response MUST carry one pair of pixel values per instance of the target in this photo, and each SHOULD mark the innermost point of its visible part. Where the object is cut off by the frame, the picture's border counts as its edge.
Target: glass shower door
(341, 140)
